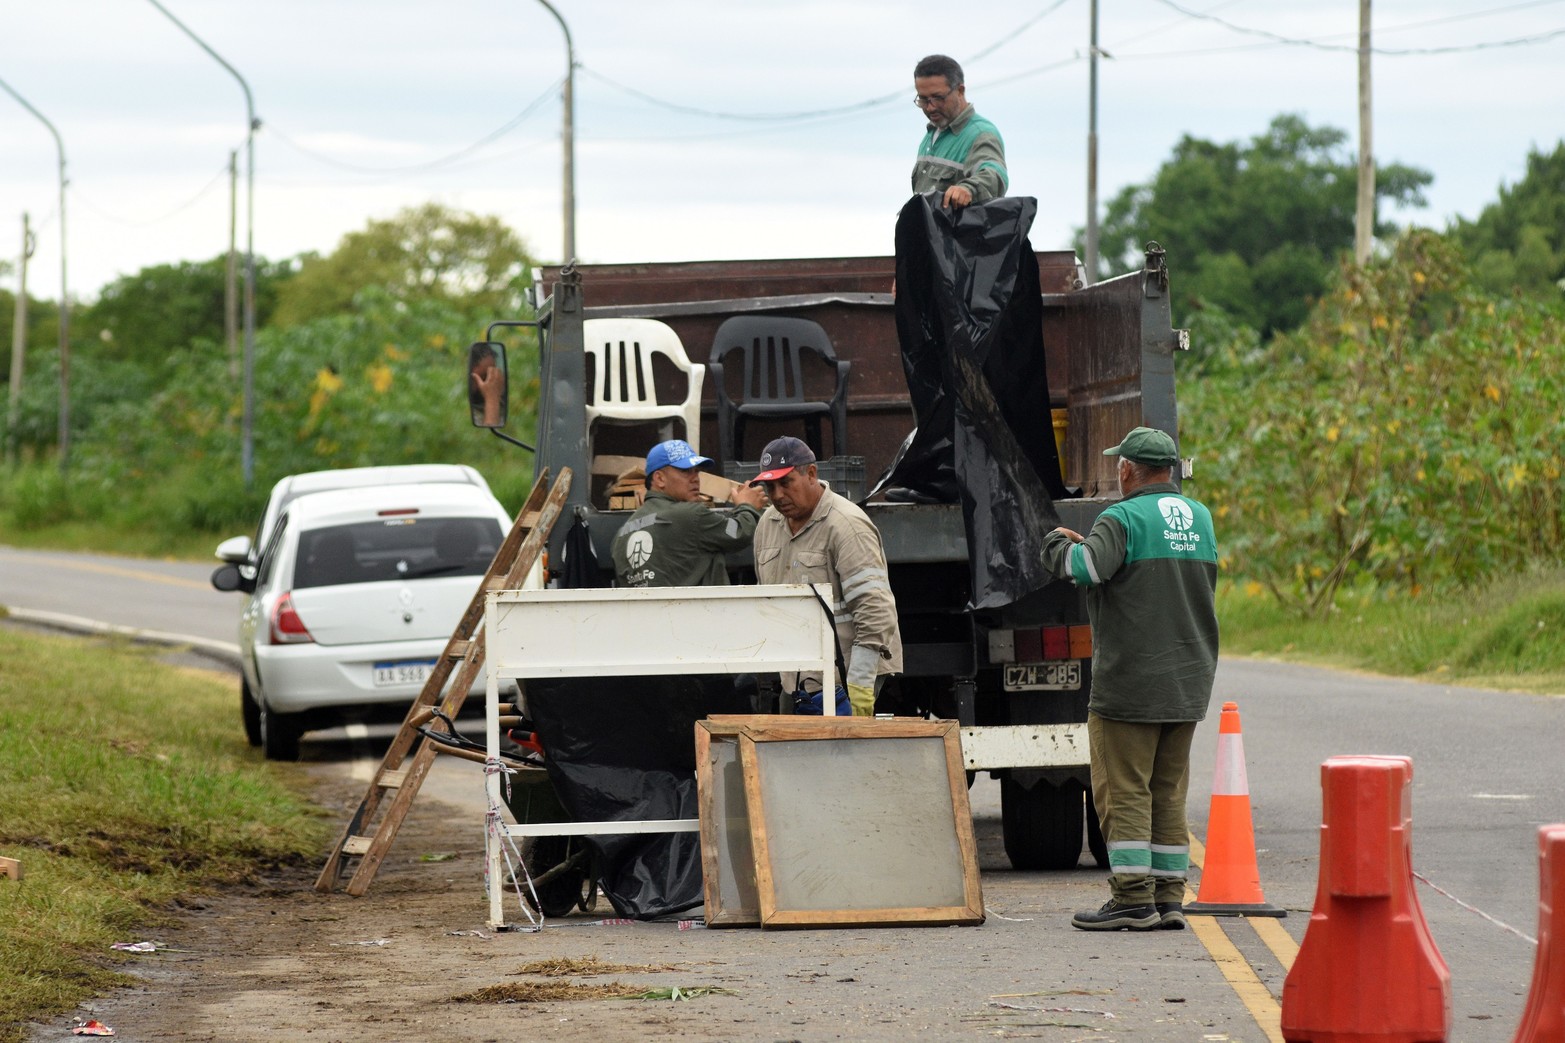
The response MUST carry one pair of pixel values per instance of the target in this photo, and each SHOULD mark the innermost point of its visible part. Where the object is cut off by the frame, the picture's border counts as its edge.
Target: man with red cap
(812, 535)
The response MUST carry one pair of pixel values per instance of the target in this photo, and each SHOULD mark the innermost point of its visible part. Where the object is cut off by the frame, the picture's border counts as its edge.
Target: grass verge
(126, 789)
(1510, 634)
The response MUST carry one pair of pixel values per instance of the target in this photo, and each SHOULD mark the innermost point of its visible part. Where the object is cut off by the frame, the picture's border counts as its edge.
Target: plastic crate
(845, 474)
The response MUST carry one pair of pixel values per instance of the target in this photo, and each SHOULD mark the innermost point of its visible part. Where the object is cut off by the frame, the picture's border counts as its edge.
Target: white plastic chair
(622, 351)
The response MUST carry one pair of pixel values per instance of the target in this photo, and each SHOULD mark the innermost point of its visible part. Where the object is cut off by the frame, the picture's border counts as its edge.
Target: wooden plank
(727, 860)
(355, 845)
(11, 867)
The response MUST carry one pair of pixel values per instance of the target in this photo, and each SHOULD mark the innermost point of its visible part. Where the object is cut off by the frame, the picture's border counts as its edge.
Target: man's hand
(748, 495)
(956, 197)
(1071, 534)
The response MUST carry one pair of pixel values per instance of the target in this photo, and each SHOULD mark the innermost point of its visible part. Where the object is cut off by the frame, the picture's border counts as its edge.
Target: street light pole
(65, 304)
(568, 138)
(247, 425)
(1091, 259)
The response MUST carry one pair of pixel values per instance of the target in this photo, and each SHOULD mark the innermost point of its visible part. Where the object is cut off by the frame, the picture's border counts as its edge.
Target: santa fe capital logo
(638, 548)
(1176, 513)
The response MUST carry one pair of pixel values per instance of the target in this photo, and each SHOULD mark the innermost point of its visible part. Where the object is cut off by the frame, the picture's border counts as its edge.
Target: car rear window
(395, 548)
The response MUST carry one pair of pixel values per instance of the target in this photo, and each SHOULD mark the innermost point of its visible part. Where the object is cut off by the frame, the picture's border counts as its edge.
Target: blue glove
(810, 703)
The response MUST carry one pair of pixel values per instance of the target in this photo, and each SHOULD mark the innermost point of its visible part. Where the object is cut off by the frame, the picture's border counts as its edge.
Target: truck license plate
(407, 671)
(1061, 675)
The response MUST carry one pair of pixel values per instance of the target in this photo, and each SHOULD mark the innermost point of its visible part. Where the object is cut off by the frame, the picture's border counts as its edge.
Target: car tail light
(287, 627)
(396, 512)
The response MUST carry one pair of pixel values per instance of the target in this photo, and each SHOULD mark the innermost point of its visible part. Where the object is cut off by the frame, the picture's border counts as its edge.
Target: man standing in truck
(961, 156)
(1150, 569)
(811, 535)
(675, 540)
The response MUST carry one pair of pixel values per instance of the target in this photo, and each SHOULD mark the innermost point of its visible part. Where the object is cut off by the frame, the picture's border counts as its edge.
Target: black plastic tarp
(623, 748)
(969, 318)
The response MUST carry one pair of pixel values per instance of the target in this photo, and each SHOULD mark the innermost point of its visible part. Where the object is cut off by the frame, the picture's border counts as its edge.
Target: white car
(353, 599)
(243, 550)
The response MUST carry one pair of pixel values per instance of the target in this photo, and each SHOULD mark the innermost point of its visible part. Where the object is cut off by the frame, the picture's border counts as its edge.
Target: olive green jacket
(679, 543)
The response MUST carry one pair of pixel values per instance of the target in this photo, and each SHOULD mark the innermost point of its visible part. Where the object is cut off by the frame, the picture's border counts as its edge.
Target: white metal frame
(636, 631)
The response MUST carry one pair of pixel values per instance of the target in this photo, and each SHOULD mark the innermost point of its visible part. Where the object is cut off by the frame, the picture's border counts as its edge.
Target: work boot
(1171, 916)
(1117, 916)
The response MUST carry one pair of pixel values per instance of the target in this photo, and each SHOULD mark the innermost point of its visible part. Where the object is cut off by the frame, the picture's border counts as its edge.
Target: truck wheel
(280, 734)
(1095, 842)
(1042, 825)
(558, 867)
(250, 713)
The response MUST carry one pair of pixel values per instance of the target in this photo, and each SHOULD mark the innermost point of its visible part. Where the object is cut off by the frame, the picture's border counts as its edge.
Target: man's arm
(866, 596)
(986, 176)
(722, 532)
(1086, 561)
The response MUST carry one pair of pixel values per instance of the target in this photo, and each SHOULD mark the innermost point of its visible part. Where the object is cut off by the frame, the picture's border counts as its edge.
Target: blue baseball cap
(676, 452)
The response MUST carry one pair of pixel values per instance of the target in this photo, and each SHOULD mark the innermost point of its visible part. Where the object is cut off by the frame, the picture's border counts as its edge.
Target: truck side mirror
(487, 384)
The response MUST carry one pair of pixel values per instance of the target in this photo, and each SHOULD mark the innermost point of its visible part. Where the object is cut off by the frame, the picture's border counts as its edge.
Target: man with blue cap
(675, 540)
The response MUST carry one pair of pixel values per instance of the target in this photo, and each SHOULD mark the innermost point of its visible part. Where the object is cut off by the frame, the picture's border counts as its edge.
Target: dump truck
(1017, 677)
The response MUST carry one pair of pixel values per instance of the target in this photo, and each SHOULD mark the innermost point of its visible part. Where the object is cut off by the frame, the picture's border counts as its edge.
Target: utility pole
(65, 303)
(568, 139)
(230, 293)
(1364, 225)
(1091, 260)
(18, 345)
(247, 425)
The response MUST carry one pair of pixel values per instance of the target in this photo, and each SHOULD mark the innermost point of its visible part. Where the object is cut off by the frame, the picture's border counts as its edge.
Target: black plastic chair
(773, 387)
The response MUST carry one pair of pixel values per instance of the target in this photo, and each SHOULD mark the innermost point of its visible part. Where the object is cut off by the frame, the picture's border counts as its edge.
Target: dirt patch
(277, 960)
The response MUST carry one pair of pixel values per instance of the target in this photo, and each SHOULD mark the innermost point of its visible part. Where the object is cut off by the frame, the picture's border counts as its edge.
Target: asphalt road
(1486, 776)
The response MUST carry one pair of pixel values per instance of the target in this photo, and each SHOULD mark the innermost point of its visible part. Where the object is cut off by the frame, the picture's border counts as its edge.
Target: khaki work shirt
(841, 546)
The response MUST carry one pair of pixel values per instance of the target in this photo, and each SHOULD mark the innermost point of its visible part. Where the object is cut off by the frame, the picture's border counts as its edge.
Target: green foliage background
(1409, 436)
(156, 432)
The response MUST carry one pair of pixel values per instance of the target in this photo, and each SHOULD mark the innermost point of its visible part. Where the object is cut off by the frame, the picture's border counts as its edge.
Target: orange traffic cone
(1230, 879)
(1543, 1019)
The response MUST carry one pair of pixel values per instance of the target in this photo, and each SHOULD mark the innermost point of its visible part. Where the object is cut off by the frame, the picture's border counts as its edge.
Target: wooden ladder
(364, 837)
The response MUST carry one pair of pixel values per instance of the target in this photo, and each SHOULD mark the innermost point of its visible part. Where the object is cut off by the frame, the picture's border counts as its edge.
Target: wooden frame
(727, 857)
(869, 828)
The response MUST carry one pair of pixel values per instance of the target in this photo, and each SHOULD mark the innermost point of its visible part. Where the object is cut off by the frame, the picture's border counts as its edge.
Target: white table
(640, 631)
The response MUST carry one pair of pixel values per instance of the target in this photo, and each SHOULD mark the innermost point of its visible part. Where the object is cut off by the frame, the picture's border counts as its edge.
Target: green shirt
(679, 543)
(968, 153)
(1150, 569)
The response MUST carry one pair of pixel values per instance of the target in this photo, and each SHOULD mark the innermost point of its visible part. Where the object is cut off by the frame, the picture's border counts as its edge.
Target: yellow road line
(1247, 985)
(110, 570)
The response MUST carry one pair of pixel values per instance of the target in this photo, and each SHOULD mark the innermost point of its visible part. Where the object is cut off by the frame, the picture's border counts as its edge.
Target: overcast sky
(368, 106)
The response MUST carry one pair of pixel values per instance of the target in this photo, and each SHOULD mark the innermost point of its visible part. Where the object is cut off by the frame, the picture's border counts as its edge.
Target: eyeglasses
(930, 101)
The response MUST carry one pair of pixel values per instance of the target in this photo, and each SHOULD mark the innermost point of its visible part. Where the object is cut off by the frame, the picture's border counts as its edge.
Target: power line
(107, 214)
(428, 165)
(1320, 46)
(752, 117)
(1014, 33)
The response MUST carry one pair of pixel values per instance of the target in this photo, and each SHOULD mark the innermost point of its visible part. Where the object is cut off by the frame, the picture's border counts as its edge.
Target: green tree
(167, 307)
(1256, 227)
(1518, 243)
(426, 253)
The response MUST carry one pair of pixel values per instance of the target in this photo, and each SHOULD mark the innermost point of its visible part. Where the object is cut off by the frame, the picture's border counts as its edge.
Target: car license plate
(1061, 675)
(406, 671)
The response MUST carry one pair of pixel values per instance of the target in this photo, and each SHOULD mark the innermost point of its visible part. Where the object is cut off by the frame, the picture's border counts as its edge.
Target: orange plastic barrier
(1368, 968)
(1230, 878)
(1543, 1019)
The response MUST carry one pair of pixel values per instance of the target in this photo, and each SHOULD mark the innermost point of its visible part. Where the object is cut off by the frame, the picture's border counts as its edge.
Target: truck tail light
(1040, 644)
(287, 627)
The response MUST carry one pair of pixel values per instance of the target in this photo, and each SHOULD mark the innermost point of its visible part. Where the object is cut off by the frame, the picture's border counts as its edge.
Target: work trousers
(1140, 775)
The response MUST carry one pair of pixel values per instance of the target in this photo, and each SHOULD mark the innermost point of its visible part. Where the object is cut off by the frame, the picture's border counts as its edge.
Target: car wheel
(280, 734)
(250, 711)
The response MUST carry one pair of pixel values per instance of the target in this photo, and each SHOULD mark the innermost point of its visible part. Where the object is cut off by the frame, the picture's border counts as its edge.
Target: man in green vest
(674, 539)
(1150, 569)
(961, 156)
